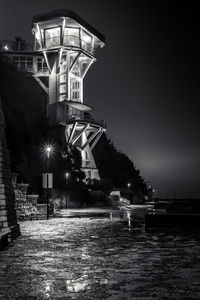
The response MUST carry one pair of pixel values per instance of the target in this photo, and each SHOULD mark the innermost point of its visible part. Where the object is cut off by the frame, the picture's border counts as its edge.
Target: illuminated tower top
(64, 28)
(68, 44)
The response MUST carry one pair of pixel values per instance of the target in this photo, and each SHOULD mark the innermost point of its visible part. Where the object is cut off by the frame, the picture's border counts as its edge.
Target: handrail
(80, 118)
(20, 46)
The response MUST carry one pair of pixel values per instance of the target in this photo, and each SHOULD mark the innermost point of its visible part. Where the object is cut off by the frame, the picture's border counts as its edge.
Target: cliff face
(8, 217)
(27, 126)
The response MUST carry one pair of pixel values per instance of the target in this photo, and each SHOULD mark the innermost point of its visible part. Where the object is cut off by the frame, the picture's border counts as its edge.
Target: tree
(74, 174)
(116, 166)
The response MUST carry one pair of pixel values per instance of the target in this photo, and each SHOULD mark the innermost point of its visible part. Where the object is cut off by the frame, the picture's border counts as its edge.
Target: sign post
(47, 183)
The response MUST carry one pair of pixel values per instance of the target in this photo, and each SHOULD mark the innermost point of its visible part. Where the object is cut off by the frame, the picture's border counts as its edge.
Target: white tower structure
(68, 44)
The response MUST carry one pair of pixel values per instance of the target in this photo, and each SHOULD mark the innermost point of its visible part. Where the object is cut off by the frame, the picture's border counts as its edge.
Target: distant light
(128, 185)
(67, 175)
(6, 48)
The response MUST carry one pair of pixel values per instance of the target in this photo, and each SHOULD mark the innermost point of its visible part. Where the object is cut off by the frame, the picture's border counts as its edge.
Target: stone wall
(8, 219)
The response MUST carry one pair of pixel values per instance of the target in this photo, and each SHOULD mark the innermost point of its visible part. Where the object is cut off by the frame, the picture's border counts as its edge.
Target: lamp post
(48, 151)
(67, 175)
(128, 185)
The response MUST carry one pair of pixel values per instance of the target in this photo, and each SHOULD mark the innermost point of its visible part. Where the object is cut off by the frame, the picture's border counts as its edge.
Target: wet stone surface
(105, 256)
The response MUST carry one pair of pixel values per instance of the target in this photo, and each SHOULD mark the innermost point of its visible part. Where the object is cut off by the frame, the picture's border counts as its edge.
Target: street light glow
(67, 175)
(48, 149)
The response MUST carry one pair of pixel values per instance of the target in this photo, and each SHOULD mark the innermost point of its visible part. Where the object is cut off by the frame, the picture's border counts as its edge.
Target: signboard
(47, 180)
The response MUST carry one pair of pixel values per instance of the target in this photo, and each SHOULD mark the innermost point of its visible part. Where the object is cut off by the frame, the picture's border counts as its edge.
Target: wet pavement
(99, 255)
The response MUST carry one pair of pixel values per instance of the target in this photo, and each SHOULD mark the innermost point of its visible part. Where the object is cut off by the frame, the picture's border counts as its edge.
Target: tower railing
(86, 119)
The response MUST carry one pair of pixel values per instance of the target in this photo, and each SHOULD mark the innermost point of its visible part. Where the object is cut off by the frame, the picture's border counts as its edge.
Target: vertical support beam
(40, 35)
(80, 36)
(92, 50)
(60, 57)
(68, 76)
(63, 31)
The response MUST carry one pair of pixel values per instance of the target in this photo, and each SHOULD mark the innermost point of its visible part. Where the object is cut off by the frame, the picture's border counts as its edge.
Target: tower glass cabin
(68, 44)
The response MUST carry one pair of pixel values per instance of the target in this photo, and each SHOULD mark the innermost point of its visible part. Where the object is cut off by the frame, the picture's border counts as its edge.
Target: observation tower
(68, 45)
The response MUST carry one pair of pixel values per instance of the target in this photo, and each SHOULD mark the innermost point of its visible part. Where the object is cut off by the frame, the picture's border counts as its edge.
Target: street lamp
(128, 185)
(48, 151)
(67, 175)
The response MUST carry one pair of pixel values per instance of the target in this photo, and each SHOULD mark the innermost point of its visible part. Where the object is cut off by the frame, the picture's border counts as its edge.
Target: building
(63, 51)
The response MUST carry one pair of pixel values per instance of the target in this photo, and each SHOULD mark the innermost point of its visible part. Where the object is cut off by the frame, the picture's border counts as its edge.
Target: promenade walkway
(97, 257)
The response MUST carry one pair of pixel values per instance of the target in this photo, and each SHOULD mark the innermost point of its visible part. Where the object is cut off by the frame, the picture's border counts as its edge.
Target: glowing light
(6, 47)
(128, 185)
(48, 149)
(67, 174)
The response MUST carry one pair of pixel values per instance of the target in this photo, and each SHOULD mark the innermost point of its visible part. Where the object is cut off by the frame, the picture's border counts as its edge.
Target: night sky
(145, 83)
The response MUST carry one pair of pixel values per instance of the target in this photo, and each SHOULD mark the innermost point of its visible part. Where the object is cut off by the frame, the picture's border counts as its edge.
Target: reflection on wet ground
(104, 255)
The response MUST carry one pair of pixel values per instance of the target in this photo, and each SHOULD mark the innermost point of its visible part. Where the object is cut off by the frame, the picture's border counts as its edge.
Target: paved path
(98, 258)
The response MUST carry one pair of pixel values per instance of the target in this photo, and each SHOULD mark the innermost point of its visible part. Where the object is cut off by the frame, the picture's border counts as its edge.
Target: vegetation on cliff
(27, 130)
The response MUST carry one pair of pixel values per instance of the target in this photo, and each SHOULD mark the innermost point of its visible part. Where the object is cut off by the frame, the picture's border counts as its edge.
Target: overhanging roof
(79, 106)
(70, 14)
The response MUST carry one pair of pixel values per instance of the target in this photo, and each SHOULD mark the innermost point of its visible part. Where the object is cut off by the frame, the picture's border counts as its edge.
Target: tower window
(52, 37)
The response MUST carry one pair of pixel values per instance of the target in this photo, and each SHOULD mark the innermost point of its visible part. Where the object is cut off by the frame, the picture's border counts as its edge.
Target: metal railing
(18, 45)
(81, 117)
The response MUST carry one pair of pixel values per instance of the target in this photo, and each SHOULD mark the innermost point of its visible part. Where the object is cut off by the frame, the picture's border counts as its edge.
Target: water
(104, 255)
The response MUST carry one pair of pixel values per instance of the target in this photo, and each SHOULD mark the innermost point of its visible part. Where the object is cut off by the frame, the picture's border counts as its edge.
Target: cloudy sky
(145, 83)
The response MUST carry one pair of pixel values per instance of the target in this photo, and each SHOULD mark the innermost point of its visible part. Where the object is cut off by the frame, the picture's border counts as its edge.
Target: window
(16, 61)
(52, 37)
(41, 65)
(86, 40)
(71, 37)
(29, 62)
(86, 155)
(63, 78)
(62, 88)
(75, 95)
(75, 85)
(22, 62)
(62, 97)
